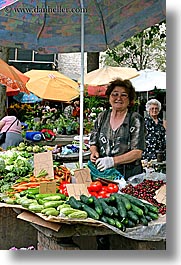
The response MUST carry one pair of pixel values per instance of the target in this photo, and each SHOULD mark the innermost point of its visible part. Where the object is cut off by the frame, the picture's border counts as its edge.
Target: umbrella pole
(81, 89)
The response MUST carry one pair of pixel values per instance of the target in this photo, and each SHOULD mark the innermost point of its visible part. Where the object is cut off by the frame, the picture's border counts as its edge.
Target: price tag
(76, 190)
(83, 176)
(47, 187)
(161, 194)
(44, 161)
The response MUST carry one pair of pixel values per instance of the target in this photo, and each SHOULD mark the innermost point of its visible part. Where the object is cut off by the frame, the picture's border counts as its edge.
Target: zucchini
(131, 215)
(106, 208)
(33, 191)
(52, 212)
(74, 203)
(52, 204)
(26, 202)
(136, 209)
(78, 214)
(67, 211)
(37, 208)
(44, 195)
(53, 198)
(90, 212)
(97, 206)
(85, 199)
(47, 209)
(62, 206)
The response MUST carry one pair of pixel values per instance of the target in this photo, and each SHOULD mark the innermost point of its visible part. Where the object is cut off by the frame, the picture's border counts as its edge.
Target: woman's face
(154, 110)
(119, 99)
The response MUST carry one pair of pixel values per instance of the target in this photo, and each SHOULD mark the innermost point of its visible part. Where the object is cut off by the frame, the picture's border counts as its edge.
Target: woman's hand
(94, 156)
(105, 163)
(94, 153)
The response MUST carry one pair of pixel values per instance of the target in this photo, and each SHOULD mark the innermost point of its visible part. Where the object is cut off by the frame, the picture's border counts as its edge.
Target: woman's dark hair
(129, 88)
(12, 112)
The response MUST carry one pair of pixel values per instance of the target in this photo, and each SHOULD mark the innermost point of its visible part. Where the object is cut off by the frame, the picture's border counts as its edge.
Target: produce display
(106, 203)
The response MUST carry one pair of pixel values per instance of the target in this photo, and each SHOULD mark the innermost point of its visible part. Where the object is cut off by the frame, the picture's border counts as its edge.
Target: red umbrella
(96, 90)
(12, 92)
(12, 77)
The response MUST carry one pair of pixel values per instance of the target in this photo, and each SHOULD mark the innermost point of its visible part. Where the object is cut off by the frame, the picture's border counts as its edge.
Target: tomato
(103, 194)
(104, 188)
(93, 193)
(112, 188)
(63, 191)
(64, 183)
(95, 186)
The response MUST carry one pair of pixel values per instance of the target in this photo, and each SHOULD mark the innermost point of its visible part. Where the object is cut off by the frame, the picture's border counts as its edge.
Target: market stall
(49, 199)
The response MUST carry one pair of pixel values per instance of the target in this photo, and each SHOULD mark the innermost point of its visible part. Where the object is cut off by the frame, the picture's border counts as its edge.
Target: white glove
(104, 163)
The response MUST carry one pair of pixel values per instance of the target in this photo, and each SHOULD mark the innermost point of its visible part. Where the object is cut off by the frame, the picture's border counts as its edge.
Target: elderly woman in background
(155, 138)
(13, 135)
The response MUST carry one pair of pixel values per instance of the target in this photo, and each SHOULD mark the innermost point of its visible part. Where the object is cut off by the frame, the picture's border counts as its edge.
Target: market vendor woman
(118, 136)
(13, 135)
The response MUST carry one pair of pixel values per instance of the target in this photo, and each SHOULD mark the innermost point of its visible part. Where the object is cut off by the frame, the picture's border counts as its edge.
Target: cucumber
(115, 210)
(85, 199)
(134, 200)
(151, 208)
(124, 220)
(90, 212)
(106, 209)
(153, 215)
(74, 203)
(131, 215)
(121, 208)
(143, 221)
(148, 218)
(136, 209)
(111, 221)
(126, 202)
(97, 206)
(130, 224)
(120, 225)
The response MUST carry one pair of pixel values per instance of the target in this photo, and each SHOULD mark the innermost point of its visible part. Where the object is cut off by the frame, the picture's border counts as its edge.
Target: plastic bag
(111, 173)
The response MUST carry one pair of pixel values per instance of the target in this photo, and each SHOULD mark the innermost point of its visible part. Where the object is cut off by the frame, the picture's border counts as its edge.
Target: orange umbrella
(12, 77)
(52, 85)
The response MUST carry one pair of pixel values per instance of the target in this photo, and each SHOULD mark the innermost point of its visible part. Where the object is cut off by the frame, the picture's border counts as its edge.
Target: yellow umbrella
(104, 75)
(52, 85)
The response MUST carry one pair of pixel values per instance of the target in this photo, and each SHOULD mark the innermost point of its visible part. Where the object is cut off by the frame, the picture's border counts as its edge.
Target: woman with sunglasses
(117, 139)
(155, 138)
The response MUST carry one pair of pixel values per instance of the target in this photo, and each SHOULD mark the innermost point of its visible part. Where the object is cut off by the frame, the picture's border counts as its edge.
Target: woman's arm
(2, 123)
(128, 157)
